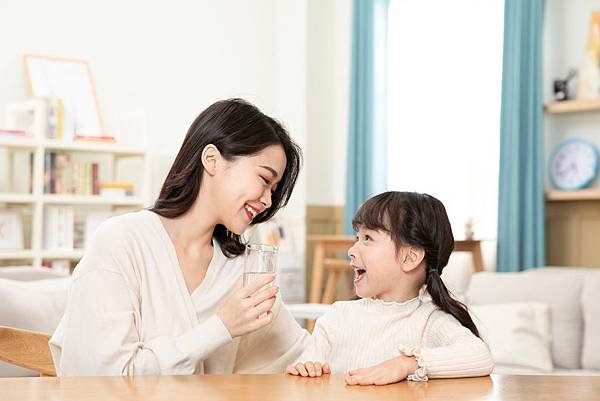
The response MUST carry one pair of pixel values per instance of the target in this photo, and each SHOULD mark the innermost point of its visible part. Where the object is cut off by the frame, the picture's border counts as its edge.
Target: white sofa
(32, 299)
(541, 321)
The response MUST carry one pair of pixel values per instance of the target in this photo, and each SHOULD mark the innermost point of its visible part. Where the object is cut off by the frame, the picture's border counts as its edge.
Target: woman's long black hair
(418, 220)
(236, 128)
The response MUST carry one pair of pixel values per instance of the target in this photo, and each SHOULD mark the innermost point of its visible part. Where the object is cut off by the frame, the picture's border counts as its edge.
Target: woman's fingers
(291, 370)
(326, 368)
(257, 285)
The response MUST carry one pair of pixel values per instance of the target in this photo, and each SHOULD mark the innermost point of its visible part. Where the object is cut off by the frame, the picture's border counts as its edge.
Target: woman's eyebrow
(272, 171)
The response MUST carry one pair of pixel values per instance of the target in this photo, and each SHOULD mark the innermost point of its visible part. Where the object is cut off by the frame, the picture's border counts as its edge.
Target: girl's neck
(402, 294)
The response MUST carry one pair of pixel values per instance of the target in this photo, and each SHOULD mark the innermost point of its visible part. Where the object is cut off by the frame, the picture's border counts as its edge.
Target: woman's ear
(412, 258)
(210, 156)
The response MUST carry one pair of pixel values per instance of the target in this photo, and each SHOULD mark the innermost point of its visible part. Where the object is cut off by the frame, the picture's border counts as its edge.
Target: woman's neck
(192, 230)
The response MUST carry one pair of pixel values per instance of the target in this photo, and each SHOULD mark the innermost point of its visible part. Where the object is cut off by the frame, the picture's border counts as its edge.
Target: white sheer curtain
(444, 73)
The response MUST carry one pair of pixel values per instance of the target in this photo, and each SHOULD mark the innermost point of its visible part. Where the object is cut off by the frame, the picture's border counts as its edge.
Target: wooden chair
(27, 349)
(327, 257)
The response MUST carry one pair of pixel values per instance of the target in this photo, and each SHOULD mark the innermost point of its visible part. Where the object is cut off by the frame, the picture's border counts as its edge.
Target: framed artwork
(589, 75)
(11, 230)
(69, 81)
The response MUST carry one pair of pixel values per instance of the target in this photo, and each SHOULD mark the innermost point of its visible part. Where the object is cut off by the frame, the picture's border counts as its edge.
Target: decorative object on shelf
(561, 87)
(275, 232)
(589, 75)
(11, 230)
(573, 164)
(71, 81)
(469, 231)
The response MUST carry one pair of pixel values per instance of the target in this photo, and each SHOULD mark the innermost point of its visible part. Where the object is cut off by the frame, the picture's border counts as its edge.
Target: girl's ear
(412, 258)
(210, 156)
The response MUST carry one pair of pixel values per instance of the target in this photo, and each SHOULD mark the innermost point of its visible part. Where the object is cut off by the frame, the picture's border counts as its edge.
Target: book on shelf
(60, 265)
(62, 175)
(13, 132)
(116, 189)
(59, 224)
(56, 112)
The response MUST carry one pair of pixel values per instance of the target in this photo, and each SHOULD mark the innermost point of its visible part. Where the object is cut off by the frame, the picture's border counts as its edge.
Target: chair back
(27, 349)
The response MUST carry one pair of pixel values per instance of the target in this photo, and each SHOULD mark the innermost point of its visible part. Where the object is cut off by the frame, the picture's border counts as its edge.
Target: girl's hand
(247, 309)
(390, 371)
(308, 369)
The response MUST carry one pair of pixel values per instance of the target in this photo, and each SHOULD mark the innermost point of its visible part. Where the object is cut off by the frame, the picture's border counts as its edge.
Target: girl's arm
(450, 350)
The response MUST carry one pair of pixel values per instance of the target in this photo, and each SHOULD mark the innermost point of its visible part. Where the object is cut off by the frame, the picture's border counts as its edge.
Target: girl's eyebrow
(272, 171)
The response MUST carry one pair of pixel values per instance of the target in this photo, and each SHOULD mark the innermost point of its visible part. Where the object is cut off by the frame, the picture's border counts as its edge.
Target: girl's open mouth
(359, 274)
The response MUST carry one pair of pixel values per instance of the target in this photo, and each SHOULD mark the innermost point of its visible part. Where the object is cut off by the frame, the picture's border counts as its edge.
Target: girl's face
(246, 185)
(377, 266)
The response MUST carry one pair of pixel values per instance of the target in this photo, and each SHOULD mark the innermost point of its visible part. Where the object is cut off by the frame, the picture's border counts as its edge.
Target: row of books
(59, 222)
(63, 230)
(64, 176)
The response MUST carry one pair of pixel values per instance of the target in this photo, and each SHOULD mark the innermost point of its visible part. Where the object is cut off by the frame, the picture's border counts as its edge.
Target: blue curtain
(366, 153)
(521, 191)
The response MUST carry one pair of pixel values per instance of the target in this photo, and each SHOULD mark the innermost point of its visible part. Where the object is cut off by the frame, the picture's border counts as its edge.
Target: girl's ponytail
(442, 298)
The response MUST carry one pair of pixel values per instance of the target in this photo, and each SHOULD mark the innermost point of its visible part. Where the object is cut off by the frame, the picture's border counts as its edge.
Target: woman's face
(246, 184)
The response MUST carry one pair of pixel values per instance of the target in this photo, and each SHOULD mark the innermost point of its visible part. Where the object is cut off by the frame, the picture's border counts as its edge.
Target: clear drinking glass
(260, 259)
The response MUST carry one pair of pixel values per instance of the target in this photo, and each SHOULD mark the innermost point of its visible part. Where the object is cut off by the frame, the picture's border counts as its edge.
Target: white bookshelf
(38, 144)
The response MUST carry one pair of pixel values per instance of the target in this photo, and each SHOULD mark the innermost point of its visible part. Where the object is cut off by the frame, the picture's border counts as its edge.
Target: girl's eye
(367, 237)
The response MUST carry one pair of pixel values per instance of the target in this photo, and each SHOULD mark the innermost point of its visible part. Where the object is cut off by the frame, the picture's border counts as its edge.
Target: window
(443, 119)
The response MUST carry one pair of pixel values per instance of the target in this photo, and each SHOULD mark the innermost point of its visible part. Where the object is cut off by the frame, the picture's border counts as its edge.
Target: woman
(158, 291)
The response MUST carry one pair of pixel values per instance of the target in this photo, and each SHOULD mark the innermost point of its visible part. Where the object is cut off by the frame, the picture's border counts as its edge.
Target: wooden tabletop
(289, 388)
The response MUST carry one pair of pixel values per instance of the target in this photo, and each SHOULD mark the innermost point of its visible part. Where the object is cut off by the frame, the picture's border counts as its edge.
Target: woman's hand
(308, 369)
(390, 371)
(248, 309)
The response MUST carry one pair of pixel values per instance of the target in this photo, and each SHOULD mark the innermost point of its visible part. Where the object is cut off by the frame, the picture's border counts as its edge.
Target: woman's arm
(272, 348)
(98, 334)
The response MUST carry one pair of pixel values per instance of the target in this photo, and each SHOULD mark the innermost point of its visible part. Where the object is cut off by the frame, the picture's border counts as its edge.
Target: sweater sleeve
(273, 347)
(320, 343)
(449, 350)
(98, 334)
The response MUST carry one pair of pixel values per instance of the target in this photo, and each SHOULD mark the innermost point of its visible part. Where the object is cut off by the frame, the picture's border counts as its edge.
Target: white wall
(329, 39)
(158, 64)
(565, 34)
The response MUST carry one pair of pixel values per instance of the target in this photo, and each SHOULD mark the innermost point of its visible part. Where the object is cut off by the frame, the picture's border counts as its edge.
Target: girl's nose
(351, 251)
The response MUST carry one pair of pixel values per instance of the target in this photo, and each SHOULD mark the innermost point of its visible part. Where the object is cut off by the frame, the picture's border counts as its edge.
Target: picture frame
(11, 230)
(71, 82)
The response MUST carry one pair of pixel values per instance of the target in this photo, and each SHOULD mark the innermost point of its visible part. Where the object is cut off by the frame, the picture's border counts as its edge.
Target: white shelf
(16, 254)
(92, 147)
(91, 200)
(581, 195)
(18, 142)
(111, 155)
(73, 254)
(16, 198)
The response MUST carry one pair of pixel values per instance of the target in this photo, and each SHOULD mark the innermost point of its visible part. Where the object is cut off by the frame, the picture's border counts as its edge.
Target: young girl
(404, 241)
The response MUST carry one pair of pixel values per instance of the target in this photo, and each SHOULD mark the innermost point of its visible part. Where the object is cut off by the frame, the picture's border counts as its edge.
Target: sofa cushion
(518, 333)
(590, 303)
(561, 291)
(36, 305)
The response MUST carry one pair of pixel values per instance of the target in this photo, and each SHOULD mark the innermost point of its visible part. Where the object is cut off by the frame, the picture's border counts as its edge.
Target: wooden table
(289, 388)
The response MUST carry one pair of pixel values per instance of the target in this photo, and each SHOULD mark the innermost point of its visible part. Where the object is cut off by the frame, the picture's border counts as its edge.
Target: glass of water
(259, 260)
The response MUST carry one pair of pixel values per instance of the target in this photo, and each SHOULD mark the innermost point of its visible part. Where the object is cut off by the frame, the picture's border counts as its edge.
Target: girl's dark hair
(418, 220)
(236, 128)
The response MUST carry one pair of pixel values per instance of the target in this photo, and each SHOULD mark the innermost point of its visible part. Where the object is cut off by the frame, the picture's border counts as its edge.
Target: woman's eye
(265, 180)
